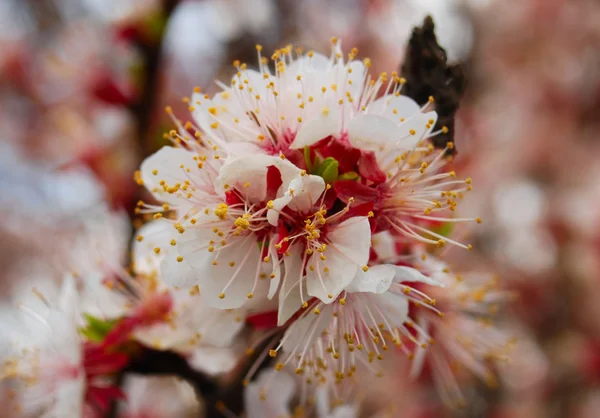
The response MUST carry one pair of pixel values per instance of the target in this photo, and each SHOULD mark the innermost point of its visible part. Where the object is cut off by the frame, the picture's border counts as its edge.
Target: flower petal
(290, 300)
(409, 274)
(322, 126)
(302, 194)
(377, 279)
(166, 163)
(352, 238)
(306, 330)
(373, 133)
(270, 395)
(248, 174)
(233, 275)
(396, 108)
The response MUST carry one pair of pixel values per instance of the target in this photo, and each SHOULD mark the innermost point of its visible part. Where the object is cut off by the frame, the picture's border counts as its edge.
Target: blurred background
(84, 83)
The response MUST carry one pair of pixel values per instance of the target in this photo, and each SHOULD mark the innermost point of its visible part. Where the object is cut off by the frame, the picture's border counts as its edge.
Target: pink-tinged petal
(420, 353)
(396, 108)
(373, 133)
(323, 125)
(369, 169)
(248, 175)
(289, 295)
(377, 279)
(409, 274)
(166, 163)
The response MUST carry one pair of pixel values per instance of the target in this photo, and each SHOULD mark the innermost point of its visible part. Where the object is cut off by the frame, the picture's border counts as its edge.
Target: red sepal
(368, 168)
(345, 189)
(264, 320)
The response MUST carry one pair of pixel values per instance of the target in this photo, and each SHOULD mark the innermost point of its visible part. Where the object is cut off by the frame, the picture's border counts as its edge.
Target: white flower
(271, 395)
(466, 333)
(203, 334)
(44, 357)
(223, 237)
(308, 98)
(371, 313)
(158, 397)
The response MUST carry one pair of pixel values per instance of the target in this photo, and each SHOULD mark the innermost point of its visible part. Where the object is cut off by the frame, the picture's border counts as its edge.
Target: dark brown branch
(428, 73)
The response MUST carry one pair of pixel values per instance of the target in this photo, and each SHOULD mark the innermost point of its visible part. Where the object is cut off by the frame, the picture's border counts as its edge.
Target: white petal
(323, 284)
(384, 246)
(306, 330)
(348, 250)
(320, 127)
(278, 388)
(167, 162)
(248, 174)
(154, 234)
(289, 295)
(409, 274)
(212, 360)
(418, 123)
(394, 107)
(373, 133)
(302, 193)
(377, 279)
(395, 307)
(278, 205)
(307, 191)
(178, 274)
(352, 238)
(273, 267)
(238, 264)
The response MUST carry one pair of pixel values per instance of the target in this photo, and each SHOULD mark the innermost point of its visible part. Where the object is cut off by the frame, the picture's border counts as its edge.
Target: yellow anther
(179, 259)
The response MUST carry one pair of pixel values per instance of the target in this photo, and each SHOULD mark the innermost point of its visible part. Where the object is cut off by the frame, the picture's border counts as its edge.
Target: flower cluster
(306, 195)
(306, 202)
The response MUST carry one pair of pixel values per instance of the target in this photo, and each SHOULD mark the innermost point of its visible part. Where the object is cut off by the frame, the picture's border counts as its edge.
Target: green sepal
(96, 329)
(349, 175)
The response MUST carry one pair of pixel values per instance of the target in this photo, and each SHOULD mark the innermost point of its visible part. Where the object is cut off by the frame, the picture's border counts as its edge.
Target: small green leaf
(350, 175)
